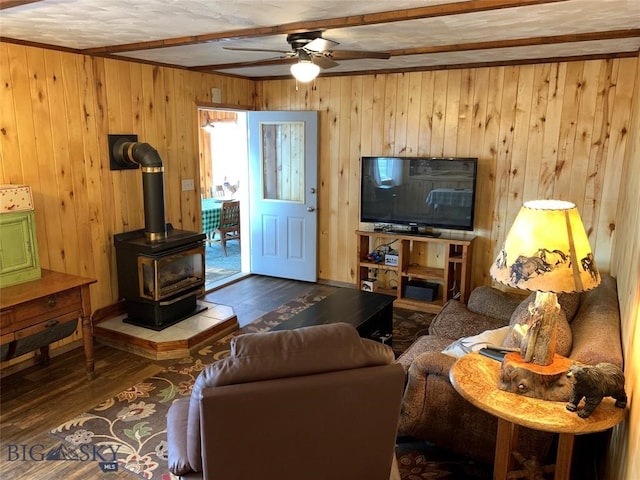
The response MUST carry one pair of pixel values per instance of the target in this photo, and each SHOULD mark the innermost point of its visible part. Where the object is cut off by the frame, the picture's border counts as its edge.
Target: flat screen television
(418, 192)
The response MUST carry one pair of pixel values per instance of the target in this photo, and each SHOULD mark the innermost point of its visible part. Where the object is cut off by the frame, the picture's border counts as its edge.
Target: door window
(283, 161)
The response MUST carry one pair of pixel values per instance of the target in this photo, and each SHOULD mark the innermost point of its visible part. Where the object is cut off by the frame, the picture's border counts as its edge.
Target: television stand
(441, 264)
(429, 234)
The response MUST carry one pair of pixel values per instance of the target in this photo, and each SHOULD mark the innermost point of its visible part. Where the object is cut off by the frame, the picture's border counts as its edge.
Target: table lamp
(546, 251)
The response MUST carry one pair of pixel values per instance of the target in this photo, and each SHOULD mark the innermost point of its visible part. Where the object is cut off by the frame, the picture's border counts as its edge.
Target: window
(385, 167)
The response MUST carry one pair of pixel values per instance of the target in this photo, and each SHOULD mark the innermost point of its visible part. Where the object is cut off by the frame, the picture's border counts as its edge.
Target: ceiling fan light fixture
(304, 71)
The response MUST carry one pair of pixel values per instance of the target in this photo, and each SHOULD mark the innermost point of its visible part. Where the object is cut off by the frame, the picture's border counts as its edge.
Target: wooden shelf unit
(453, 276)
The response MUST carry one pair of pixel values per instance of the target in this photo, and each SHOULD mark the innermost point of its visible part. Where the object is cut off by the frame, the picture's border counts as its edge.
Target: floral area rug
(130, 427)
(419, 460)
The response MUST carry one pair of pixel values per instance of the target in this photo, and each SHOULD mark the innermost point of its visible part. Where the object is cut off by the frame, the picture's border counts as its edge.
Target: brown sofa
(432, 410)
(315, 403)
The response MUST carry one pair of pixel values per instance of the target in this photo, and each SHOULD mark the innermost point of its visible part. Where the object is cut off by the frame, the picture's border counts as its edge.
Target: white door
(283, 177)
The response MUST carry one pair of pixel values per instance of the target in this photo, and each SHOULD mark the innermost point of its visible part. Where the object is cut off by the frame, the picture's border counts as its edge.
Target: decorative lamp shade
(305, 71)
(547, 250)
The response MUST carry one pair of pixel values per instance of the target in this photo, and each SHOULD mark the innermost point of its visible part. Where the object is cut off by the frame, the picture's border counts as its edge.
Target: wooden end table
(476, 377)
(29, 309)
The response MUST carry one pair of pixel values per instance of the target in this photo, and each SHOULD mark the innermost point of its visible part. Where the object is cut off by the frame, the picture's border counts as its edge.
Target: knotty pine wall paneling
(57, 109)
(541, 131)
(624, 454)
(620, 126)
(554, 130)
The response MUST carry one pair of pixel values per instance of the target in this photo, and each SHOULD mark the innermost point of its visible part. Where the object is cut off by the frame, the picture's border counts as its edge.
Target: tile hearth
(173, 342)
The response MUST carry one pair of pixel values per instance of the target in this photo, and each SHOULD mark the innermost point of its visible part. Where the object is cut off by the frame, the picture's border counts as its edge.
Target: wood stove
(161, 270)
(160, 280)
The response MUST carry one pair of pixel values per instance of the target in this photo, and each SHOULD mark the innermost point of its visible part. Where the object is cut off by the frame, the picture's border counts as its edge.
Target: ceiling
(419, 35)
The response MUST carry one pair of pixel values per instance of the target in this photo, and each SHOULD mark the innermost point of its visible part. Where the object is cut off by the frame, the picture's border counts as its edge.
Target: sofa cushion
(494, 303)
(425, 343)
(569, 304)
(564, 338)
(596, 326)
(455, 320)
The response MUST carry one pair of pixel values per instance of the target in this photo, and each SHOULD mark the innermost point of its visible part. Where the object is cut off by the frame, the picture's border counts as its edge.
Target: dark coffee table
(370, 313)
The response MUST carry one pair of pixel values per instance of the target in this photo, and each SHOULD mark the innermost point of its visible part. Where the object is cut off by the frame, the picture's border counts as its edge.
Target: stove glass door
(164, 277)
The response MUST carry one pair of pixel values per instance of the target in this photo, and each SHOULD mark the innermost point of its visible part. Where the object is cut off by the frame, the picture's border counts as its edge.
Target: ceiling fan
(314, 52)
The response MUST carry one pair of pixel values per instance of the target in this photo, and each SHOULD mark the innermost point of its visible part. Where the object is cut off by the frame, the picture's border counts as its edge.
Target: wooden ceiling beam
(431, 11)
(519, 42)
(4, 4)
(459, 47)
(460, 66)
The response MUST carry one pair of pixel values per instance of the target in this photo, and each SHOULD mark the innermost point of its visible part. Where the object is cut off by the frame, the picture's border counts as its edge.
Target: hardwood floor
(257, 295)
(39, 398)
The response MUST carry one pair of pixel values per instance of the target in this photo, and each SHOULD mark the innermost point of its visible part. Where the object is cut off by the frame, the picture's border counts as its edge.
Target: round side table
(476, 377)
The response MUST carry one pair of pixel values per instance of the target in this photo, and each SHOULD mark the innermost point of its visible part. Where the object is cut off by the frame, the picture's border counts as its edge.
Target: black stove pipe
(155, 225)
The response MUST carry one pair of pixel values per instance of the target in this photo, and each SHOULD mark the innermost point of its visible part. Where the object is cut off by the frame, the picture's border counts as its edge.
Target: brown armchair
(315, 403)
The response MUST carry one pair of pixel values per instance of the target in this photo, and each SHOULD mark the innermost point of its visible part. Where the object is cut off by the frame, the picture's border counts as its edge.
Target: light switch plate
(187, 185)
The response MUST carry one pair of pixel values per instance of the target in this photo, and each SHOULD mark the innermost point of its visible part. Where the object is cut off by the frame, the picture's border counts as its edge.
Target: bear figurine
(594, 382)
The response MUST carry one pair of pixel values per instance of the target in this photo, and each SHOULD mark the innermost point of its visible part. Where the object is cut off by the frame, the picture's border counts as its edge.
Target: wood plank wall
(56, 111)
(554, 130)
(561, 130)
(624, 458)
(550, 130)
(540, 131)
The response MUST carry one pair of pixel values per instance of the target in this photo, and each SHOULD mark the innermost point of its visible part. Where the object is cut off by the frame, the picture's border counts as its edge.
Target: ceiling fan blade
(320, 44)
(288, 52)
(324, 62)
(356, 54)
(285, 60)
